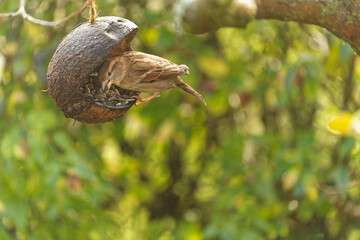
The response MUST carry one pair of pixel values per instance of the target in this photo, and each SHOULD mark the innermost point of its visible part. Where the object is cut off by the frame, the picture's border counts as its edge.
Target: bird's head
(107, 74)
(107, 81)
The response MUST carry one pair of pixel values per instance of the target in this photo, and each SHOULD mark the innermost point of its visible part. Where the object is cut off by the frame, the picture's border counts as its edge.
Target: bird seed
(115, 97)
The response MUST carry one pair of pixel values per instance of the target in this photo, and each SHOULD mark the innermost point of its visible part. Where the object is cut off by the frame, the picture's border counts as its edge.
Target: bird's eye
(109, 73)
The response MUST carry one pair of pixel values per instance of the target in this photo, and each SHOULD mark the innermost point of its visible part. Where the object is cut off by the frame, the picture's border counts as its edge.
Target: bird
(142, 72)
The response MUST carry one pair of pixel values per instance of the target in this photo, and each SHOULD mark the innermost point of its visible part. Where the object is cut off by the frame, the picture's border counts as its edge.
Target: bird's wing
(149, 67)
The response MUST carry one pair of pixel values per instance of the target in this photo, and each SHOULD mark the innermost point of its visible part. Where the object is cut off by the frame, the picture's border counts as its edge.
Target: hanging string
(92, 11)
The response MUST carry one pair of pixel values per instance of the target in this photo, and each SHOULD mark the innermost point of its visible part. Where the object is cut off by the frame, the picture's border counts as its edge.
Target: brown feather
(143, 72)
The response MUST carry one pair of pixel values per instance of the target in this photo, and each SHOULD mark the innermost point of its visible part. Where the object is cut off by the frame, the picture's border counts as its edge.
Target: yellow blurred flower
(344, 124)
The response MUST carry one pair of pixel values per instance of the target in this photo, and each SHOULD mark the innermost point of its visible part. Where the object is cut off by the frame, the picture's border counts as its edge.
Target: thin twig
(30, 18)
(92, 11)
(8, 15)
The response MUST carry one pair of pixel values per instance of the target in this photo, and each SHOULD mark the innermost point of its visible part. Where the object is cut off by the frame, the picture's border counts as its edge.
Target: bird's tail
(181, 84)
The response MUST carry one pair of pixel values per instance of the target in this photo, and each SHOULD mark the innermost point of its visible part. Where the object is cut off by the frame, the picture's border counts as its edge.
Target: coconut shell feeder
(72, 70)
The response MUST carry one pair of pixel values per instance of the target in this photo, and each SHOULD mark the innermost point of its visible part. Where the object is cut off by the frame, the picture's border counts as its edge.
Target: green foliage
(256, 163)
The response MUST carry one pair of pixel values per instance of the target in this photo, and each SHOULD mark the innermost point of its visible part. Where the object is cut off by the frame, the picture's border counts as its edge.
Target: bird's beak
(106, 85)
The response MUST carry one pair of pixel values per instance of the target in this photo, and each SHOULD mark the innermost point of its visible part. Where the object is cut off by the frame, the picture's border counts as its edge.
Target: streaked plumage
(143, 72)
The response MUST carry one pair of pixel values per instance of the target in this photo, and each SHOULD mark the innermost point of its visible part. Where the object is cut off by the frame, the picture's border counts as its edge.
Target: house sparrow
(143, 72)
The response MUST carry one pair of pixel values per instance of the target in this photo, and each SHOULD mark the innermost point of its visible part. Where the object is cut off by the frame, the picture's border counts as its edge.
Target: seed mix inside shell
(115, 97)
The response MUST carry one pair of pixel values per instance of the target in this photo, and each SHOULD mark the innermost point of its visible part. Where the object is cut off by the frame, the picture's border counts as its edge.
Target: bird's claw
(141, 101)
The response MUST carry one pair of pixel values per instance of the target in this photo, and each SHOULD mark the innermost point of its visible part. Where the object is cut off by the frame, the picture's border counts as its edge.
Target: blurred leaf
(305, 211)
(346, 146)
(345, 52)
(251, 235)
(62, 140)
(16, 210)
(289, 79)
(189, 231)
(341, 178)
(324, 206)
(4, 235)
(214, 67)
(354, 234)
(150, 36)
(290, 178)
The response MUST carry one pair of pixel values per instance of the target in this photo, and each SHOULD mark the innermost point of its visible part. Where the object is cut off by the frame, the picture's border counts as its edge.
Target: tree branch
(341, 17)
(22, 12)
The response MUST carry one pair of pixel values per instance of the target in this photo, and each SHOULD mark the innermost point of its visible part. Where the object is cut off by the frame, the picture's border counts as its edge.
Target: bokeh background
(258, 162)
